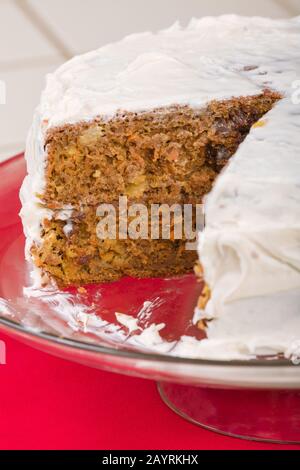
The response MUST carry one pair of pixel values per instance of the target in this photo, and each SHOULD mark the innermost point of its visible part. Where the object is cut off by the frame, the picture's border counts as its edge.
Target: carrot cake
(209, 114)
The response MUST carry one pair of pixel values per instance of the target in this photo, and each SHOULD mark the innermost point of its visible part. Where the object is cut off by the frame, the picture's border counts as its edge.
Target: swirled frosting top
(212, 58)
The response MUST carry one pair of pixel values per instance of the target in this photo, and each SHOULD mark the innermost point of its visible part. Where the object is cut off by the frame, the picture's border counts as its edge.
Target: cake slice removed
(167, 156)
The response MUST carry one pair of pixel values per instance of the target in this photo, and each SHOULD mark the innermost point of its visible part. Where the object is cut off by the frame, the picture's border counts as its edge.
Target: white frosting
(128, 321)
(65, 215)
(33, 212)
(150, 338)
(190, 66)
(250, 248)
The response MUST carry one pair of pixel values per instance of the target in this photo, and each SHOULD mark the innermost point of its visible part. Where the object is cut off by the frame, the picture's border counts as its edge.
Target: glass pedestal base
(258, 415)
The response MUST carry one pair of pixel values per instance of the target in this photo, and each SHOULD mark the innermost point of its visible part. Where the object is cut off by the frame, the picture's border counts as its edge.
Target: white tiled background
(37, 35)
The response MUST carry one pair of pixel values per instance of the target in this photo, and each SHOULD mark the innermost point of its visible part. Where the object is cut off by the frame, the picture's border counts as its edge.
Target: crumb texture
(167, 156)
(83, 258)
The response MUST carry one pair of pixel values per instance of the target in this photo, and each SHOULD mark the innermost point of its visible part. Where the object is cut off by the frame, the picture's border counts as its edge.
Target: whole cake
(168, 118)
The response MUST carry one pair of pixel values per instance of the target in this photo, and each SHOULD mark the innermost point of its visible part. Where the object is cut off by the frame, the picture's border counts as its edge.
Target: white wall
(37, 35)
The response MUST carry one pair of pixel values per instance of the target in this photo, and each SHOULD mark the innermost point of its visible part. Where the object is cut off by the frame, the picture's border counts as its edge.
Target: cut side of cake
(207, 114)
(167, 156)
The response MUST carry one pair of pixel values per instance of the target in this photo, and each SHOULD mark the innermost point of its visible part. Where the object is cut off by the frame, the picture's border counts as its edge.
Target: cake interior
(166, 156)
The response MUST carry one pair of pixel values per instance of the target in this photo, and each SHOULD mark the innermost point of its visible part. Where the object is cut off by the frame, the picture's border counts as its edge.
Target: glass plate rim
(131, 354)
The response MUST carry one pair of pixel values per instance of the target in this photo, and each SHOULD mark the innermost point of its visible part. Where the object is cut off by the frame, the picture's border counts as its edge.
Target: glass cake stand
(255, 399)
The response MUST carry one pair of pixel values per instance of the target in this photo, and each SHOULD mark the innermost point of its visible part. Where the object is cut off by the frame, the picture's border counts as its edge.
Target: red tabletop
(49, 403)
